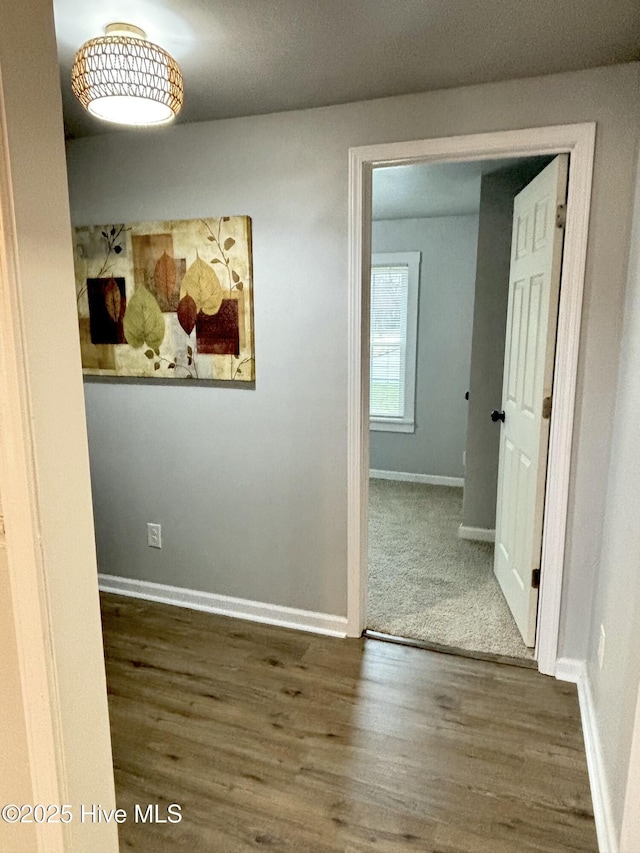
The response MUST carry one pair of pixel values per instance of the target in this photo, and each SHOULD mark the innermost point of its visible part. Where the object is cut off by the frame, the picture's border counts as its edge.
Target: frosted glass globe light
(121, 77)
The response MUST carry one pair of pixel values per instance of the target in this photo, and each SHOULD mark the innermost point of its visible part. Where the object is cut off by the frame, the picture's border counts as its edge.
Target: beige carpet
(427, 584)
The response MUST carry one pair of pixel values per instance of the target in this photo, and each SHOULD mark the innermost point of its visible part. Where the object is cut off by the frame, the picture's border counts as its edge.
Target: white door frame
(579, 141)
(50, 609)
(25, 572)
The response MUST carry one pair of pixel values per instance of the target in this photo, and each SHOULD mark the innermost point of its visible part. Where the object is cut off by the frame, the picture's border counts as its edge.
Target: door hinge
(561, 215)
(546, 408)
(535, 578)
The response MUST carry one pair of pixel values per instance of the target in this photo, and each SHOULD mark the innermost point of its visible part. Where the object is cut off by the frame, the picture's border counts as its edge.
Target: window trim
(405, 423)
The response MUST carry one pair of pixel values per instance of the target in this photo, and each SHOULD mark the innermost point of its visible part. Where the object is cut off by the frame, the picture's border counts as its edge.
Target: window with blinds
(393, 323)
(389, 294)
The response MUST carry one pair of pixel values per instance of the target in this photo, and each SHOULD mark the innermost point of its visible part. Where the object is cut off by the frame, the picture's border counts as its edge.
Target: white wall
(447, 245)
(50, 588)
(617, 601)
(252, 484)
(631, 819)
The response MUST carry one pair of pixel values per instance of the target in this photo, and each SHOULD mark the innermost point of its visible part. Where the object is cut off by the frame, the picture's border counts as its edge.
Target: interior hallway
(280, 740)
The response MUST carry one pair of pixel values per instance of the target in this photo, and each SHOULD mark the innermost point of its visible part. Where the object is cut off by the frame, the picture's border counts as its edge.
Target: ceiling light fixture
(124, 78)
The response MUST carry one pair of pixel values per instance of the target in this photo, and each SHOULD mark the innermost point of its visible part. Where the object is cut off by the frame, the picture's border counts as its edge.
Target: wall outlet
(601, 647)
(154, 535)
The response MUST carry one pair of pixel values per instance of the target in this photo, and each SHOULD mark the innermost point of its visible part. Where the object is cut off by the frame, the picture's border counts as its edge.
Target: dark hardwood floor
(275, 740)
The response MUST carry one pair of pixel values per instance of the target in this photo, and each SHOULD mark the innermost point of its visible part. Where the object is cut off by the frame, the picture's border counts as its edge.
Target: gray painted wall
(617, 600)
(497, 192)
(445, 311)
(268, 520)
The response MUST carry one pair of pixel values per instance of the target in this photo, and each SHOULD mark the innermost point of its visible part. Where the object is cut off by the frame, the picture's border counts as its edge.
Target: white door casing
(56, 726)
(534, 290)
(579, 141)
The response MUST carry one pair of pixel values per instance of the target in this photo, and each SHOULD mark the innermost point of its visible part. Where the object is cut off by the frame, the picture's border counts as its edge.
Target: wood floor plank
(278, 740)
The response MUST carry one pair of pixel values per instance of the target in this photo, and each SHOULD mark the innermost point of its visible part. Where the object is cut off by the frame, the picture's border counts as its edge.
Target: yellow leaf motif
(143, 321)
(203, 286)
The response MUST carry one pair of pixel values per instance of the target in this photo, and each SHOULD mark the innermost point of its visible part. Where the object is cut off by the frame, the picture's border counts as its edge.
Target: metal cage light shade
(122, 77)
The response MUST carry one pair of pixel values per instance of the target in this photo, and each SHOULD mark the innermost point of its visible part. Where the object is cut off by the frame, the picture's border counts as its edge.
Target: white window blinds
(389, 301)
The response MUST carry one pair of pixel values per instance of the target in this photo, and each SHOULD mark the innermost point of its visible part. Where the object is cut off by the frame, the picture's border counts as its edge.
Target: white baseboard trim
(407, 477)
(224, 605)
(477, 534)
(570, 669)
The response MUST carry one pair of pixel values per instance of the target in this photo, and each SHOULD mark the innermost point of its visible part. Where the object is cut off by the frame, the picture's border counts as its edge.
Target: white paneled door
(534, 288)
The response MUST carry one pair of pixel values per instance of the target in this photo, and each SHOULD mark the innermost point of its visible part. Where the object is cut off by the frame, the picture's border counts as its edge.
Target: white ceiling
(245, 57)
(433, 189)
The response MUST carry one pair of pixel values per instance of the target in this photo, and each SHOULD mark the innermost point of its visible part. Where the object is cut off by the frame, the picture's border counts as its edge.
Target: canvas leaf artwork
(169, 300)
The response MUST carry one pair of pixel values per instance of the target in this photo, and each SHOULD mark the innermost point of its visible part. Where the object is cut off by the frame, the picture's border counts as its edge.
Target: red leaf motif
(113, 299)
(187, 313)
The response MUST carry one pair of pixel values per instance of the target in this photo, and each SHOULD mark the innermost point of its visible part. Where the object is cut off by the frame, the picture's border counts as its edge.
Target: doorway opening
(438, 326)
(576, 141)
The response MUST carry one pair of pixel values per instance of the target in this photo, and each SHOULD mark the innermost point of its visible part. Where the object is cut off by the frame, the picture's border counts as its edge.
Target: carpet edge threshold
(490, 657)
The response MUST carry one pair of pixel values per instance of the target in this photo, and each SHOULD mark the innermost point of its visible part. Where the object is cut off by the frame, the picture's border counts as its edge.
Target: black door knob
(497, 416)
